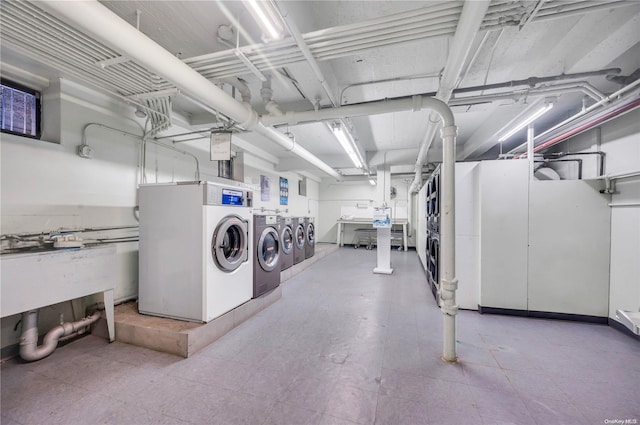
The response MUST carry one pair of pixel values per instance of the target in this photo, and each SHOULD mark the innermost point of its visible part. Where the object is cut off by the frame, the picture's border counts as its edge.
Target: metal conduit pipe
(29, 350)
(413, 103)
(116, 32)
(534, 81)
(543, 162)
(542, 91)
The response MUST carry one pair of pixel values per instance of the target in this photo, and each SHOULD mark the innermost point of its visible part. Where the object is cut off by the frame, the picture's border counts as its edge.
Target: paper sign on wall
(220, 149)
(265, 188)
(284, 191)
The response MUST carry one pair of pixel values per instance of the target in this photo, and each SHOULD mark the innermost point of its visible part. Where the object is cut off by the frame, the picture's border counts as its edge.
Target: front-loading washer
(310, 234)
(195, 250)
(286, 242)
(299, 240)
(266, 265)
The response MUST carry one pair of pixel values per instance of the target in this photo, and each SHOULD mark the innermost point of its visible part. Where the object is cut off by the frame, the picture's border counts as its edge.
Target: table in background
(398, 222)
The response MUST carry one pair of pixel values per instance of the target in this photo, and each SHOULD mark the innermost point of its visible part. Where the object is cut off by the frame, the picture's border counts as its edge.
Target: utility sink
(630, 319)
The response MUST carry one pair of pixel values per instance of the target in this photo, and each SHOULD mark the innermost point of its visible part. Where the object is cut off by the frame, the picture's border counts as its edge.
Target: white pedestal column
(384, 251)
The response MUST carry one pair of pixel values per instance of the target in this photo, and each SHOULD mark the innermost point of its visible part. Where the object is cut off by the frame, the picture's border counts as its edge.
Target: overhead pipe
(629, 106)
(311, 60)
(106, 26)
(618, 95)
(469, 24)
(29, 350)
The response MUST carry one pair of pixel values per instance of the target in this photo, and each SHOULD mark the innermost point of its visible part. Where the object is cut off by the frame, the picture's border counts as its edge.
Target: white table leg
(339, 236)
(108, 308)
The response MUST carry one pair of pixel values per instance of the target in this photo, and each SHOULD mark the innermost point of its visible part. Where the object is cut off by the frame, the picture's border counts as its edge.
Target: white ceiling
(581, 42)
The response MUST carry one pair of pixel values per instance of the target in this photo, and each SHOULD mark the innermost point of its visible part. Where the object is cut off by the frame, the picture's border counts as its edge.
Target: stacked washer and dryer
(195, 253)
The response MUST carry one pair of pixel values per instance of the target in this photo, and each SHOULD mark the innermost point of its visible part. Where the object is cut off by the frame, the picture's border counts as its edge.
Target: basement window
(19, 110)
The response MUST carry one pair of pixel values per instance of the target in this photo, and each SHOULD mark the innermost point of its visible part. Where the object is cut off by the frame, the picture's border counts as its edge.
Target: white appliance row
(202, 252)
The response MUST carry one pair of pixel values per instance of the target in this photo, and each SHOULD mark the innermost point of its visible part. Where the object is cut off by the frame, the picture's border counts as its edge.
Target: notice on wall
(382, 217)
(265, 188)
(284, 191)
(220, 149)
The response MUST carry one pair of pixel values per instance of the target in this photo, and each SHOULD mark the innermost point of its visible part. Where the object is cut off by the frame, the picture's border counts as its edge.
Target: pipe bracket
(450, 285)
(450, 310)
(449, 131)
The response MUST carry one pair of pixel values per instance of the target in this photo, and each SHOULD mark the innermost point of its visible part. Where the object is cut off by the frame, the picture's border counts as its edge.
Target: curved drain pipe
(99, 22)
(29, 349)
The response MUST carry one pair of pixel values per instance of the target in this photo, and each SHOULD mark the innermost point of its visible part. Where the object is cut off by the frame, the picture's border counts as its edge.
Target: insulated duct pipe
(473, 13)
(29, 350)
(99, 22)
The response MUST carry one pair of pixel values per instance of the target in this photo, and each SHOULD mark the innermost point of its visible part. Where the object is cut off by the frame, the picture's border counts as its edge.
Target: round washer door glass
(268, 249)
(229, 243)
(287, 240)
(311, 234)
(300, 236)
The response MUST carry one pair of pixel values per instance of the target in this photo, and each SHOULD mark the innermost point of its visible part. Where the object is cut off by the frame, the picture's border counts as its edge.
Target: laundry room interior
(320, 212)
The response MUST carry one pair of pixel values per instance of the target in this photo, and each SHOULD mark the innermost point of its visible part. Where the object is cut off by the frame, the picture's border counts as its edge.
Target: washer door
(268, 249)
(287, 240)
(300, 236)
(311, 234)
(229, 243)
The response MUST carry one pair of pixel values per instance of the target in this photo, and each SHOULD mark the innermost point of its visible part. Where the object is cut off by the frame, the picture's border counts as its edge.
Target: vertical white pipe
(449, 283)
(530, 146)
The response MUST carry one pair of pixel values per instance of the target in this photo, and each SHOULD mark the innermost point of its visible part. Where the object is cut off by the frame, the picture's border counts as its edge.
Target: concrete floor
(343, 346)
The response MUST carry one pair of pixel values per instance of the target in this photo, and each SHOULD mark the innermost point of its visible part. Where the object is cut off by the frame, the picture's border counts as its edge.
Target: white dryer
(195, 254)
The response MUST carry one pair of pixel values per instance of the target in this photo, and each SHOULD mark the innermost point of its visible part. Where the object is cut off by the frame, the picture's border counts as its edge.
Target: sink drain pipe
(29, 349)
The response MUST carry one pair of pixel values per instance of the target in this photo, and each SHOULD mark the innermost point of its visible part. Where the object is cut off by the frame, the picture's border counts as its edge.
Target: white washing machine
(195, 254)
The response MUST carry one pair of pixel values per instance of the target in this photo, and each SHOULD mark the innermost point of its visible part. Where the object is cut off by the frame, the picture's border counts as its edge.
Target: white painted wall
(47, 186)
(356, 194)
(619, 140)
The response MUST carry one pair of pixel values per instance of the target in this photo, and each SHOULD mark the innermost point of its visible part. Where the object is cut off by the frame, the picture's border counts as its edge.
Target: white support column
(449, 283)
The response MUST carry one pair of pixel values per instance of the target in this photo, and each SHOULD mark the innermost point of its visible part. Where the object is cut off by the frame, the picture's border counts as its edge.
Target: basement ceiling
(367, 51)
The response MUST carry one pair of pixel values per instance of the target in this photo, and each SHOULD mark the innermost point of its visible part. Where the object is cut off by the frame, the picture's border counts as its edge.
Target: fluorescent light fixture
(372, 181)
(347, 143)
(267, 18)
(240, 55)
(526, 122)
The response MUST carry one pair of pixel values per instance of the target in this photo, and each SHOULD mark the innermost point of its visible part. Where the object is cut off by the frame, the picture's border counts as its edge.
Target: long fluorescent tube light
(347, 144)
(266, 18)
(526, 122)
(240, 55)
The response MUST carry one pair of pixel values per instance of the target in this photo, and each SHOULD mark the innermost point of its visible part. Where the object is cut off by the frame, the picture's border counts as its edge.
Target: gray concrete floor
(343, 346)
